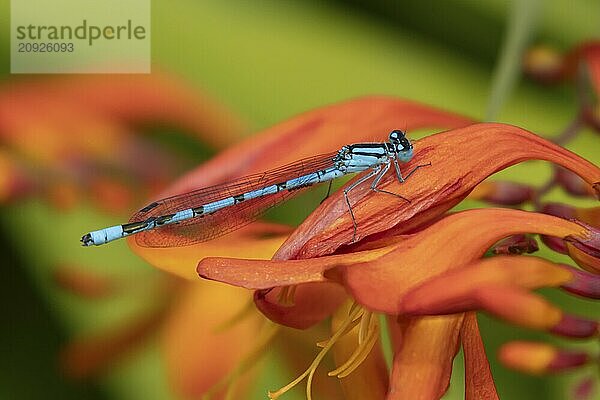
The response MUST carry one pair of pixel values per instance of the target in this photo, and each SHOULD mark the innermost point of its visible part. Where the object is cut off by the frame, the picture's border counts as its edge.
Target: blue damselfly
(207, 213)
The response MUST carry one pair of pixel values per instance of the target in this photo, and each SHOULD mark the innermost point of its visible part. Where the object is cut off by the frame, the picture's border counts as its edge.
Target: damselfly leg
(412, 171)
(368, 176)
(379, 172)
(328, 192)
(378, 179)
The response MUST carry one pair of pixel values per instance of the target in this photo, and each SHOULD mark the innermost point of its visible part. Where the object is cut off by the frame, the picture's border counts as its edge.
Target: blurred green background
(267, 61)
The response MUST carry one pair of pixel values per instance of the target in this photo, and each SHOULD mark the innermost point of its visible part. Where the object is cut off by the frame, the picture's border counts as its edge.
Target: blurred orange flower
(582, 62)
(62, 137)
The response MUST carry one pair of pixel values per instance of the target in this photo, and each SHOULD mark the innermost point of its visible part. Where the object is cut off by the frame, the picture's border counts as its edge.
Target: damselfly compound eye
(396, 136)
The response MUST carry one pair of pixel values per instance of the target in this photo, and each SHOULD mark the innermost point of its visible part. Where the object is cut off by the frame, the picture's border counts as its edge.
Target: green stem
(521, 24)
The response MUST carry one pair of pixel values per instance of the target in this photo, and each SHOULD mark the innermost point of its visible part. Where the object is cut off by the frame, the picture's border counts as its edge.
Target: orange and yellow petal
(452, 242)
(207, 335)
(479, 382)
(585, 249)
(454, 290)
(423, 361)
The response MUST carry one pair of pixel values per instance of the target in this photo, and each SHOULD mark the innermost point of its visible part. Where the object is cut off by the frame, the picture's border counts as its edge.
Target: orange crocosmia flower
(393, 280)
(381, 278)
(325, 130)
(457, 166)
(315, 132)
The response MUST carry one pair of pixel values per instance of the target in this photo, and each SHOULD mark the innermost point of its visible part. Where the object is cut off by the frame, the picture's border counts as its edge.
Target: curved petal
(318, 131)
(457, 166)
(452, 290)
(423, 363)
(479, 382)
(130, 98)
(265, 274)
(312, 303)
(450, 243)
(199, 342)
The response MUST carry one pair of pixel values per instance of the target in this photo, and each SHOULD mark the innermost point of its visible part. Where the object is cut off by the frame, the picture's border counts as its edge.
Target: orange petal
(584, 260)
(452, 291)
(258, 240)
(452, 242)
(539, 358)
(318, 131)
(130, 98)
(265, 274)
(590, 215)
(585, 250)
(522, 308)
(423, 362)
(458, 165)
(479, 382)
(200, 345)
(313, 302)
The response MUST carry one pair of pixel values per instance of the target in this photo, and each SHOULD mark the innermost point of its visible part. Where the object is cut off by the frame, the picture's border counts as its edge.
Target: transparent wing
(228, 219)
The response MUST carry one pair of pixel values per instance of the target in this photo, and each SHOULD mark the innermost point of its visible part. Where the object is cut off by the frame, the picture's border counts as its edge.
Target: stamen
(362, 351)
(364, 324)
(353, 315)
(354, 323)
(286, 295)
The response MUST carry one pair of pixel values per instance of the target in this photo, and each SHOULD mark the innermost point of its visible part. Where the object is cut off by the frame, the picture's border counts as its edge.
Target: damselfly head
(402, 146)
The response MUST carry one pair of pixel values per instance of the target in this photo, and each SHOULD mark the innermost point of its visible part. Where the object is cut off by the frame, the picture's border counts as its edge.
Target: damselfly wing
(228, 219)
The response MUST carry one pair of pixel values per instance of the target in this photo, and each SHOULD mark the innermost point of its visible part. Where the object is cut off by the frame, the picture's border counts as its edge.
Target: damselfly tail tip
(86, 240)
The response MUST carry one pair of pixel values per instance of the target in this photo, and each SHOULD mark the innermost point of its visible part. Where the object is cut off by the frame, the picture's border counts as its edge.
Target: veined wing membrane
(228, 219)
